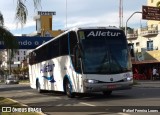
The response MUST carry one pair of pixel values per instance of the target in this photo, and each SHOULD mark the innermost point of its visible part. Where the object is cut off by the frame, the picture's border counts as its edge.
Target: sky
(78, 13)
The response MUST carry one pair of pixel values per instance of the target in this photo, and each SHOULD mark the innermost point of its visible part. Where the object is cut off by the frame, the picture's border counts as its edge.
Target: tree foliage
(9, 40)
(1, 19)
(22, 12)
(6, 36)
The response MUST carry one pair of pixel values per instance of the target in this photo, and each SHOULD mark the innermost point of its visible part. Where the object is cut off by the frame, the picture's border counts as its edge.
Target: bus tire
(68, 89)
(107, 93)
(38, 87)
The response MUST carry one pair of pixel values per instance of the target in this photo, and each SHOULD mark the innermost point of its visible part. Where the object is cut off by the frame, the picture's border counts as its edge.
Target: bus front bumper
(98, 87)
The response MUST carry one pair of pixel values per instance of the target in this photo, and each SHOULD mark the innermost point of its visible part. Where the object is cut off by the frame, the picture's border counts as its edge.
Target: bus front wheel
(68, 89)
(107, 93)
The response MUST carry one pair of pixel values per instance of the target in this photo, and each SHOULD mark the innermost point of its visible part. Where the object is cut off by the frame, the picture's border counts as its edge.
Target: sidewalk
(147, 84)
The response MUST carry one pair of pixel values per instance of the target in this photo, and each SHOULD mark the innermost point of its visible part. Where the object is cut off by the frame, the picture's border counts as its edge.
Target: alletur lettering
(100, 33)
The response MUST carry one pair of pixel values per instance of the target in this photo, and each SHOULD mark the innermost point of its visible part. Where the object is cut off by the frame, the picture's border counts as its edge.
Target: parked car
(12, 81)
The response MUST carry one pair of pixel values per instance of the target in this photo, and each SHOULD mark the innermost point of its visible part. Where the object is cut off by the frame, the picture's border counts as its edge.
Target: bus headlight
(91, 81)
(128, 79)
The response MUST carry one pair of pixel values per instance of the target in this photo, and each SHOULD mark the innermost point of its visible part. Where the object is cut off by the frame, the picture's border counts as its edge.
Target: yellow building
(154, 3)
(44, 24)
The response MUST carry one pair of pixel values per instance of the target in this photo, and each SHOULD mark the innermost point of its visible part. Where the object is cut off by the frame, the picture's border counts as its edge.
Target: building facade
(144, 45)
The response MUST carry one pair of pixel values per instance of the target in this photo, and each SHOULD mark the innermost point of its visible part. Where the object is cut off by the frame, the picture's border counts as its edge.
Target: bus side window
(32, 58)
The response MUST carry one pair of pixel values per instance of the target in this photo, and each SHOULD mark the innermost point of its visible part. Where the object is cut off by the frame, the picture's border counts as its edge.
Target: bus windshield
(104, 54)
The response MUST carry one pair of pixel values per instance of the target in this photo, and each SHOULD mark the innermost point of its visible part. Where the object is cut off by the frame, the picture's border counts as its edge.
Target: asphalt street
(144, 93)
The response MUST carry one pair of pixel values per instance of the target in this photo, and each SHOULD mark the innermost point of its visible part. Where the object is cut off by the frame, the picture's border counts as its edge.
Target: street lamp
(127, 22)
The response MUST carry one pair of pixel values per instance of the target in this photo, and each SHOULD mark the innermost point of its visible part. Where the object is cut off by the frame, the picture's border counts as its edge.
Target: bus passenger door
(75, 60)
(78, 70)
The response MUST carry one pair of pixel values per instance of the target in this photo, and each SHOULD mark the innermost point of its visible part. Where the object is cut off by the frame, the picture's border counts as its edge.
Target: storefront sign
(46, 13)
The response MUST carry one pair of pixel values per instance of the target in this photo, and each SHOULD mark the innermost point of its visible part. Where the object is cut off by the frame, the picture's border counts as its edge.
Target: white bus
(82, 60)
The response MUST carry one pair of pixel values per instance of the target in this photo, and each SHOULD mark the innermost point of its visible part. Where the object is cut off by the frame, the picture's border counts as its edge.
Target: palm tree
(22, 12)
(7, 38)
(10, 42)
(1, 19)
(21, 16)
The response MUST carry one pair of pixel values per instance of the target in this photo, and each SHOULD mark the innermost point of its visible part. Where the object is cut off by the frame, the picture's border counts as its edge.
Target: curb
(147, 85)
(143, 86)
(24, 83)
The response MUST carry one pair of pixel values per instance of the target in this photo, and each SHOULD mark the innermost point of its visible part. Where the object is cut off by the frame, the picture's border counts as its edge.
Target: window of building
(50, 23)
(131, 49)
(137, 43)
(149, 45)
(152, 1)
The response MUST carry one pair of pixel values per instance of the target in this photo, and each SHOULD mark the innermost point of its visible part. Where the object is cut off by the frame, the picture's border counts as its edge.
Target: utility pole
(9, 60)
(120, 13)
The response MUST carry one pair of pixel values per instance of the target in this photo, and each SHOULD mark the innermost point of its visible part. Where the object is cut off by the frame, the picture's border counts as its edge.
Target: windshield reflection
(105, 56)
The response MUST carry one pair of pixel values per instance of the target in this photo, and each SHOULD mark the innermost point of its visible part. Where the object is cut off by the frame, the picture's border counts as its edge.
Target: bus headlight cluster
(91, 81)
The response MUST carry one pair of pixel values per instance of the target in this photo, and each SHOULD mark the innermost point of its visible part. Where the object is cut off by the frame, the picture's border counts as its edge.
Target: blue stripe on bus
(50, 78)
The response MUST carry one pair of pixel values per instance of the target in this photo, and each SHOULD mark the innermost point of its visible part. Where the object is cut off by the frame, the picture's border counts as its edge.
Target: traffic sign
(151, 13)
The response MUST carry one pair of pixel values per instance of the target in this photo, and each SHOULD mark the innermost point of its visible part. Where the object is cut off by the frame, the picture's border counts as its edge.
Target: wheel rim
(38, 87)
(68, 88)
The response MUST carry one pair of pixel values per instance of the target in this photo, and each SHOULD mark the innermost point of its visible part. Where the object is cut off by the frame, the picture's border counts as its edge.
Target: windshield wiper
(115, 60)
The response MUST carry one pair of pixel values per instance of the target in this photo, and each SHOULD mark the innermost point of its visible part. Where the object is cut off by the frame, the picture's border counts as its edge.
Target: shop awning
(145, 62)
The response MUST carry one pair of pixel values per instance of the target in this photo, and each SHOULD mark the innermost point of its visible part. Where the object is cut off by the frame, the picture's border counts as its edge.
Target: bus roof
(76, 29)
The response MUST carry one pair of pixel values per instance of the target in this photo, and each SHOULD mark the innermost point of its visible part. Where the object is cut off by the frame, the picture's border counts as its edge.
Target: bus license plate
(111, 86)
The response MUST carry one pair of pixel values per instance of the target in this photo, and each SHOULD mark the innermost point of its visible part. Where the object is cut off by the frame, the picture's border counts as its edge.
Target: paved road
(135, 97)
